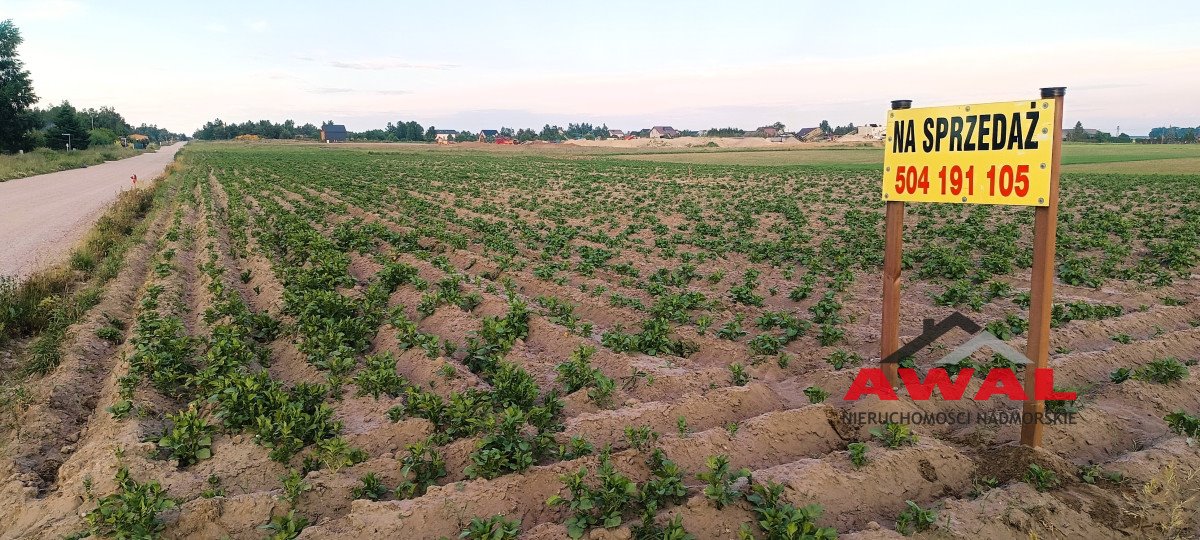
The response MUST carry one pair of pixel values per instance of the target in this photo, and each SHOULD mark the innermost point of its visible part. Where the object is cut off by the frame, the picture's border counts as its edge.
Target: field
(1095, 158)
(43, 160)
(391, 342)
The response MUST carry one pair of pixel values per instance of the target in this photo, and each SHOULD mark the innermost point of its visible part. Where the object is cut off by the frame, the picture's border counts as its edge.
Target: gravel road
(42, 217)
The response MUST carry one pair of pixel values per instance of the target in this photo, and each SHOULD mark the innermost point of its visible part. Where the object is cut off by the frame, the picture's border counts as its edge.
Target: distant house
(766, 131)
(444, 135)
(616, 134)
(663, 132)
(485, 134)
(809, 134)
(333, 133)
(1088, 133)
(501, 139)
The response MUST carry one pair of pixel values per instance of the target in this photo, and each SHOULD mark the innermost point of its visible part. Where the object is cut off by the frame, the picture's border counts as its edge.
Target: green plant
(1090, 473)
(214, 488)
(1041, 478)
(894, 435)
(372, 488)
(335, 453)
(840, 359)
(380, 377)
(858, 453)
(599, 506)
(422, 467)
(189, 439)
(1120, 375)
(640, 438)
(782, 521)
(738, 374)
(1162, 371)
(293, 487)
(1123, 339)
(720, 480)
(286, 526)
(1184, 424)
(915, 519)
(681, 426)
(815, 394)
(493, 528)
(132, 512)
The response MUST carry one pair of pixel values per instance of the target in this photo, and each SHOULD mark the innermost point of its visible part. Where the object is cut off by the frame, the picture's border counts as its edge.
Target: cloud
(380, 64)
(217, 28)
(258, 26)
(393, 92)
(326, 90)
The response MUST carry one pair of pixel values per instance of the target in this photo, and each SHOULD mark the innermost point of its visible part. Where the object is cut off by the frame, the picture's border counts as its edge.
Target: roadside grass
(45, 160)
(47, 303)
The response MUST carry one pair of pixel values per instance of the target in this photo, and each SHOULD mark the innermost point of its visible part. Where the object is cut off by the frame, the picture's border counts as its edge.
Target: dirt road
(42, 217)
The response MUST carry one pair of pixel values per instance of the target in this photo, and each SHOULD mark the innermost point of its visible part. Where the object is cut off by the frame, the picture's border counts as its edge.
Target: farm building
(485, 134)
(766, 131)
(444, 135)
(663, 132)
(809, 134)
(616, 134)
(333, 133)
(501, 139)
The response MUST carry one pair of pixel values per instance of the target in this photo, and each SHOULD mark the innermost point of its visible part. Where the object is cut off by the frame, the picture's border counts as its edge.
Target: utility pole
(68, 141)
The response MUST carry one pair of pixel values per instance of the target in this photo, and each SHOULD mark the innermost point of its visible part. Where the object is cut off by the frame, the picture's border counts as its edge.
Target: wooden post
(1041, 287)
(889, 337)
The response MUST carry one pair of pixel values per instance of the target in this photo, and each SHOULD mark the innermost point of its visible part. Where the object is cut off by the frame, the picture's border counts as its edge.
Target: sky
(471, 65)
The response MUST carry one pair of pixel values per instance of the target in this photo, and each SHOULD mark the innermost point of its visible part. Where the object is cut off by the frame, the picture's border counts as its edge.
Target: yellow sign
(989, 153)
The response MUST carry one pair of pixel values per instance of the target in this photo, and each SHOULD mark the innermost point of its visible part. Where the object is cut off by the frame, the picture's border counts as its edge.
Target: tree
(778, 126)
(1077, 133)
(431, 134)
(67, 129)
(526, 135)
(16, 93)
(824, 127)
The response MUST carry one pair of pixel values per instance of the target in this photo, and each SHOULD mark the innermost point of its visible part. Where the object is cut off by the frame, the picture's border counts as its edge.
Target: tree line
(25, 127)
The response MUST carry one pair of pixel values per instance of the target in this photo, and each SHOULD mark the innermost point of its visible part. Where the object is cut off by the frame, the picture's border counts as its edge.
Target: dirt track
(42, 217)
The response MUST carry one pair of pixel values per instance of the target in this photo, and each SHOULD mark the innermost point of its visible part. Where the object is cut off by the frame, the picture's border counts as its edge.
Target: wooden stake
(1041, 287)
(893, 231)
(889, 338)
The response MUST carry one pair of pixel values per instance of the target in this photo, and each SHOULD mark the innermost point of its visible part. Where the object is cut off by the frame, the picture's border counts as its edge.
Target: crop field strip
(470, 330)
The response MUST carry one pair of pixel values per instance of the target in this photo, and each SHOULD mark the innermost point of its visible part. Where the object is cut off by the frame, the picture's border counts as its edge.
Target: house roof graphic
(931, 332)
